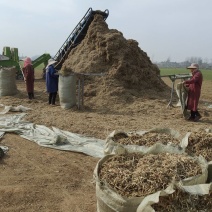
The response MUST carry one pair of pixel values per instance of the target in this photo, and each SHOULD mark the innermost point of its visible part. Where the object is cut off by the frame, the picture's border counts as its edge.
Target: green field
(207, 74)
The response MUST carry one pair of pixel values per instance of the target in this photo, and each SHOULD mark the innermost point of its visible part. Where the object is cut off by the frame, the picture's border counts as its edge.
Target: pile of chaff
(147, 139)
(136, 175)
(200, 143)
(184, 202)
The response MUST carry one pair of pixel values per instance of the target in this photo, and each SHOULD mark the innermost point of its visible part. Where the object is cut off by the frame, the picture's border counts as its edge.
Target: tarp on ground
(19, 108)
(52, 138)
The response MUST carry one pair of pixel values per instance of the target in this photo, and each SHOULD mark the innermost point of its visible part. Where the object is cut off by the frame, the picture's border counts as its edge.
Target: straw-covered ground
(35, 178)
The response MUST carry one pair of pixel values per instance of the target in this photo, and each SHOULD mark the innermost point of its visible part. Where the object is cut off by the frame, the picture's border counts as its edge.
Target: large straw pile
(128, 70)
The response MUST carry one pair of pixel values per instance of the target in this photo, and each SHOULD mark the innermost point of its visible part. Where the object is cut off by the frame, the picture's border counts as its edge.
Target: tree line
(204, 64)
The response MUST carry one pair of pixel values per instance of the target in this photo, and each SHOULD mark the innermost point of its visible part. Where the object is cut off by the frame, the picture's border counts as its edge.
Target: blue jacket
(51, 80)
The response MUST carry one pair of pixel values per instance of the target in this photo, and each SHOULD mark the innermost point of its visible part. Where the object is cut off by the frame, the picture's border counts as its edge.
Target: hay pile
(135, 175)
(200, 143)
(129, 71)
(184, 202)
(148, 139)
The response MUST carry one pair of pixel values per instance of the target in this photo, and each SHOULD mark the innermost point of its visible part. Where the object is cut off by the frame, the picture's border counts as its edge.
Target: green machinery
(10, 55)
(10, 58)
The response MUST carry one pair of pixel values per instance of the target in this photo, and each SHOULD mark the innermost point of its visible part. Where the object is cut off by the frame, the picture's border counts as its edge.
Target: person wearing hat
(194, 90)
(51, 81)
(29, 77)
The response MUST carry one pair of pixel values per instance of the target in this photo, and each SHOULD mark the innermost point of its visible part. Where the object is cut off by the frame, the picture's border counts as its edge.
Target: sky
(165, 29)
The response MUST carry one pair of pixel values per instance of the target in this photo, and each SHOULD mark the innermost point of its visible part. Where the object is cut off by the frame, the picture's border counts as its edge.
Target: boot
(29, 96)
(192, 116)
(197, 116)
(50, 98)
(54, 98)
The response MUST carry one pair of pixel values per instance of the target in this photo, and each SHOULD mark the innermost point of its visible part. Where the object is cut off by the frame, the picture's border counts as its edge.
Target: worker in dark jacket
(194, 85)
(28, 72)
(51, 81)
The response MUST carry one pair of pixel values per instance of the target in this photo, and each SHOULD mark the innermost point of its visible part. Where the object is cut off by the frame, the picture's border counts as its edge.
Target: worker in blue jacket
(51, 81)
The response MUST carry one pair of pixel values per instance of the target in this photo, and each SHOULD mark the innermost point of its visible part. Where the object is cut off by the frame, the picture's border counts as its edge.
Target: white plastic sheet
(52, 138)
(19, 108)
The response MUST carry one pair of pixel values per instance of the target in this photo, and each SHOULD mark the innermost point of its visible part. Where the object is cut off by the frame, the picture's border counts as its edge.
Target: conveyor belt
(77, 35)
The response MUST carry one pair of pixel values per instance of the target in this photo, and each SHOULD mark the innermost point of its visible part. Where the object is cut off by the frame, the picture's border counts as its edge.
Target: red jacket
(29, 76)
(194, 84)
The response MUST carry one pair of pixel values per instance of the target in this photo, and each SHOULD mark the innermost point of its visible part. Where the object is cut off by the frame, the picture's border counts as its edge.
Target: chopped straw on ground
(134, 175)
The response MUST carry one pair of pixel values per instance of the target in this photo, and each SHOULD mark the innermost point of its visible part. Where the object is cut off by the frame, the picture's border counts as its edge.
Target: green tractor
(10, 58)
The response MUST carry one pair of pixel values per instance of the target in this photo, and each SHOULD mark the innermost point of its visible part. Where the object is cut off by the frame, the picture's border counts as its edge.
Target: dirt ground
(35, 178)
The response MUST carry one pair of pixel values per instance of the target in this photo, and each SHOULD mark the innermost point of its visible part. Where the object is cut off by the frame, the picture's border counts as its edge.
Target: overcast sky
(175, 29)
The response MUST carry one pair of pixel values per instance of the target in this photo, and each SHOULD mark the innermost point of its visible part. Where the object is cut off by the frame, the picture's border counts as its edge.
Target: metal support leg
(82, 94)
(172, 91)
(79, 92)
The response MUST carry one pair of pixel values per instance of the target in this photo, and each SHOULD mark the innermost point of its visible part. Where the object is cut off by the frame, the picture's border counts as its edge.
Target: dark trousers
(52, 98)
(31, 95)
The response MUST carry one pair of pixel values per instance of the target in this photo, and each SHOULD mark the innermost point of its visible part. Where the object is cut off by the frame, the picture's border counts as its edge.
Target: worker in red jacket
(29, 77)
(194, 90)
